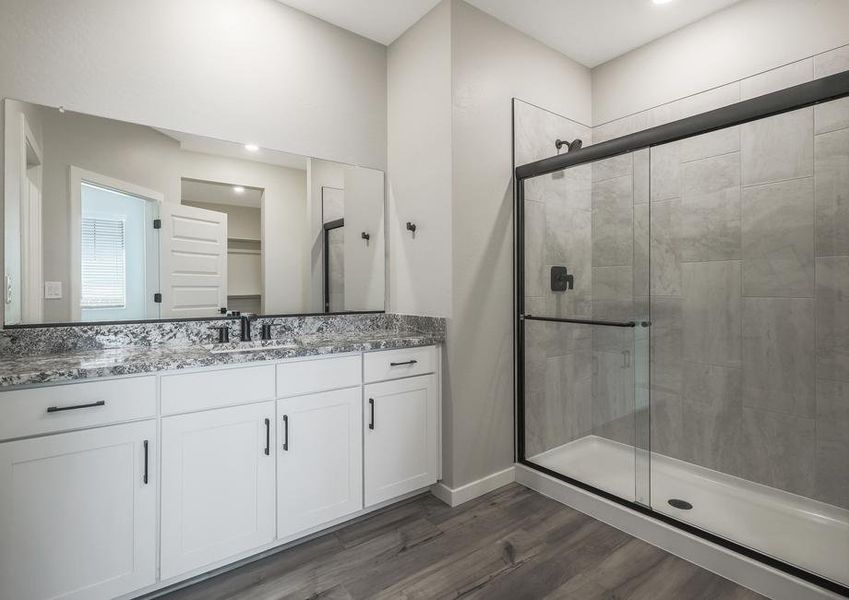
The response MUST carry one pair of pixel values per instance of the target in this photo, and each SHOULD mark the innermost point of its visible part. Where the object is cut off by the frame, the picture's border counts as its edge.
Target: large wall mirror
(110, 221)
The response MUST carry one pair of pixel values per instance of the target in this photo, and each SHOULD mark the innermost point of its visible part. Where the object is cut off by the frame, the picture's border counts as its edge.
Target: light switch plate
(52, 290)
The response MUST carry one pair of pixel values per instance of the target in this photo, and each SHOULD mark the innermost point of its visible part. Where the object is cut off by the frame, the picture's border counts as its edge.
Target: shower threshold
(794, 529)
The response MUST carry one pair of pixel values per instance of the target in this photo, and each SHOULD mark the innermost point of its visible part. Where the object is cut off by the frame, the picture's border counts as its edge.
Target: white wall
(492, 63)
(244, 70)
(419, 158)
(737, 42)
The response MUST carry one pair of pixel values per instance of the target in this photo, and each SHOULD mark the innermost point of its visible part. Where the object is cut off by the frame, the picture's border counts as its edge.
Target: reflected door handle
(146, 452)
(371, 419)
(285, 433)
(267, 437)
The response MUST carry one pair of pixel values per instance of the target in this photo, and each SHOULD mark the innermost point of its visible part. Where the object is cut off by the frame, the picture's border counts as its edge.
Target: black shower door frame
(828, 88)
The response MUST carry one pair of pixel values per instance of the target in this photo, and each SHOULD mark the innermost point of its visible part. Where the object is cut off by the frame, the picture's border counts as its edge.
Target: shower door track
(821, 90)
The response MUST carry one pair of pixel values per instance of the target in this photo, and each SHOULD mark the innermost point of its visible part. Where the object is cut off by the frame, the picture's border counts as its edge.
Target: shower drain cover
(678, 503)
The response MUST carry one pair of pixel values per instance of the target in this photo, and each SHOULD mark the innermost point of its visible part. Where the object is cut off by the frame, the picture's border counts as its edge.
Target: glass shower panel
(585, 298)
(749, 301)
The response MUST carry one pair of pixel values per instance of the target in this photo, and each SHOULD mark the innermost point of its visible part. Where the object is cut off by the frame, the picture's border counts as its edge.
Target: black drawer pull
(144, 478)
(267, 437)
(371, 420)
(406, 362)
(53, 409)
(286, 433)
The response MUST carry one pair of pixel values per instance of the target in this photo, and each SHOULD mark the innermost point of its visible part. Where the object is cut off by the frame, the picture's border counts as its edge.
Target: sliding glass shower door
(684, 333)
(585, 324)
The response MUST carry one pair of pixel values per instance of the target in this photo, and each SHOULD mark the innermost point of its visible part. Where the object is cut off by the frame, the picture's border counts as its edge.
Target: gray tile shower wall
(60, 339)
(558, 214)
(750, 297)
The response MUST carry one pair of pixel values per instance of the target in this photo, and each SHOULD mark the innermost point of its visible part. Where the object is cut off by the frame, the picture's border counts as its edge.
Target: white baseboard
(745, 571)
(464, 493)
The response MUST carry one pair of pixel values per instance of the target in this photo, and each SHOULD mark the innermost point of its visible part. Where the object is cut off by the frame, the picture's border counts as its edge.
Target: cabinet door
(401, 437)
(217, 485)
(77, 518)
(319, 464)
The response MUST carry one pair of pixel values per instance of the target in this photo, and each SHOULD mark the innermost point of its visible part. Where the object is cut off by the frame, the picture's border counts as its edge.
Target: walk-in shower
(682, 324)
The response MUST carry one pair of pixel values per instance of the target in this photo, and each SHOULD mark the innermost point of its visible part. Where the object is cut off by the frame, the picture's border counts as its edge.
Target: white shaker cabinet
(319, 459)
(218, 473)
(78, 514)
(401, 436)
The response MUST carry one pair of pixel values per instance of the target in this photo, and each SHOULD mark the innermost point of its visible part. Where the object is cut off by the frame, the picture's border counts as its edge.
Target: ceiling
(206, 145)
(591, 32)
(210, 192)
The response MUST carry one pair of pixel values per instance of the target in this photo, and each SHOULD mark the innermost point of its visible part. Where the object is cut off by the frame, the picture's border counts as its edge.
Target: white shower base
(797, 530)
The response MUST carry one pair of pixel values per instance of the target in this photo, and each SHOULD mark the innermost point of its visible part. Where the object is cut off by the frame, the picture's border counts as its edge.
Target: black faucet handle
(265, 330)
(223, 333)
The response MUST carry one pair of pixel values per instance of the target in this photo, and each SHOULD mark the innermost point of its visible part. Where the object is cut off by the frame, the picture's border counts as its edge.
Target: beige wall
(419, 159)
(244, 70)
(740, 41)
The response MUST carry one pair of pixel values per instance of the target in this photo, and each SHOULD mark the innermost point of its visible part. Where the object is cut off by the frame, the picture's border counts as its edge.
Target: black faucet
(245, 322)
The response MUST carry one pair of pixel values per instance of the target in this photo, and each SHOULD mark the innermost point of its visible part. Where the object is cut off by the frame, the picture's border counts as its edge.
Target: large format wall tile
(778, 239)
(642, 256)
(832, 318)
(833, 410)
(711, 384)
(710, 209)
(778, 148)
(535, 238)
(666, 423)
(831, 116)
(832, 193)
(832, 472)
(712, 435)
(778, 450)
(613, 228)
(665, 254)
(536, 130)
(613, 395)
(779, 371)
(665, 172)
(715, 143)
(666, 344)
(711, 312)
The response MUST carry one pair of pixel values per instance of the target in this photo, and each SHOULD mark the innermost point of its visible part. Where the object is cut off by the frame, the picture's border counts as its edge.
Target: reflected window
(103, 262)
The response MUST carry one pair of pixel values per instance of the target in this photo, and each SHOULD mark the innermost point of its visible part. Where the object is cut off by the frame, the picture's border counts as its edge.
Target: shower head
(573, 145)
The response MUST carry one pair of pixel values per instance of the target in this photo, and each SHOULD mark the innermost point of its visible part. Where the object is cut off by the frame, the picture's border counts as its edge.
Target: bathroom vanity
(128, 483)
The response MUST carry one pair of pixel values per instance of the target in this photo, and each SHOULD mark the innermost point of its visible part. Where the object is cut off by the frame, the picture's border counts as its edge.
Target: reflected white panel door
(320, 463)
(401, 437)
(194, 261)
(364, 259)
(217, 485)
(77, 519)
(32, 305)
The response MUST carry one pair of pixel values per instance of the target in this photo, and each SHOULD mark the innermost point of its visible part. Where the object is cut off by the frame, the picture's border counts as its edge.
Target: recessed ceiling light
(238, 189)
(251, 147)
(661, 1)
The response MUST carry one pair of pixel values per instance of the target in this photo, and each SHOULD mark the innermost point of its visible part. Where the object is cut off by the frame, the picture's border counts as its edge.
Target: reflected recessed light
(251, 147)
(661, 1)
(238, 189)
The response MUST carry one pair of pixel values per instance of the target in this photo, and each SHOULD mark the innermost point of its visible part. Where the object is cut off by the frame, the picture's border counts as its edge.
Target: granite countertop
(75, 366)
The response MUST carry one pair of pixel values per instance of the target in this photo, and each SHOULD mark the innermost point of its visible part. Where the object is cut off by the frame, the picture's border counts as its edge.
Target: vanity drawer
(305, 376)
(189, 392)
(42, 410)
(405, 362)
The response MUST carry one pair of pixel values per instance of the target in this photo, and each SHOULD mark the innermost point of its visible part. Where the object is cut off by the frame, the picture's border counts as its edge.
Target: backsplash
(33, 341)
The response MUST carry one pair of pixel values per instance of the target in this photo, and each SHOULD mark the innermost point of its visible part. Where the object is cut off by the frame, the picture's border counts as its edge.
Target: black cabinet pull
(286, 433)
(53, 409)
(144, 478)
(406, 362)
(371, 421)
(267, 437)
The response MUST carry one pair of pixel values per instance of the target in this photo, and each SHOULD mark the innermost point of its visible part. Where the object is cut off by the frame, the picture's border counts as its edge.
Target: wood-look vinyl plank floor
(511, 544)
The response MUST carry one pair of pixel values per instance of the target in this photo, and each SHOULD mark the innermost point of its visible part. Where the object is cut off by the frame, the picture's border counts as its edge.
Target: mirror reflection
(112, 221)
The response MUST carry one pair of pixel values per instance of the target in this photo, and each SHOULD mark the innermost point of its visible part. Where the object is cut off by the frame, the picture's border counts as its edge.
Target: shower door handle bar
(581, 321)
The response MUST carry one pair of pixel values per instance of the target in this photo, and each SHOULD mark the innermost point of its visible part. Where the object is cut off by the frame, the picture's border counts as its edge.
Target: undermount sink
(253, 346)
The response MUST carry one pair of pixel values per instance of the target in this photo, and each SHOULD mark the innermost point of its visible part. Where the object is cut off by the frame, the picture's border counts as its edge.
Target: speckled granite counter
(111, 362)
